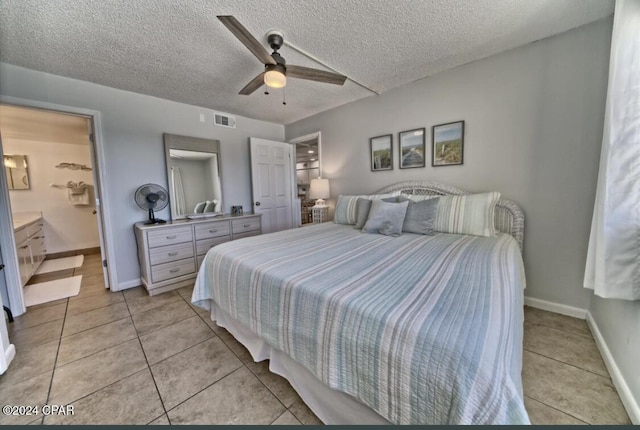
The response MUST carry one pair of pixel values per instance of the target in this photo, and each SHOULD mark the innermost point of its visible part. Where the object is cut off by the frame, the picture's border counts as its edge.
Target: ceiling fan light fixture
(274, 77)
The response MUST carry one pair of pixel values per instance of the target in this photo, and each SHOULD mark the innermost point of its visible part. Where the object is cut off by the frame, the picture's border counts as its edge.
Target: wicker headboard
(509, 217)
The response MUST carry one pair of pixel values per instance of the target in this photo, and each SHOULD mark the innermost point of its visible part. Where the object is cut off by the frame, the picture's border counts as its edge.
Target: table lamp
(319, 191)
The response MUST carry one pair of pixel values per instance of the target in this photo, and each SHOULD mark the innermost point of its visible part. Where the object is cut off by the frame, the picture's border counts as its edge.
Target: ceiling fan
(276, 69)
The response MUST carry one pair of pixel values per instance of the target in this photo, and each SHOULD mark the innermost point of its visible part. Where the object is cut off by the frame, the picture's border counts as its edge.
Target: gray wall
(132, 126)
(534, 118)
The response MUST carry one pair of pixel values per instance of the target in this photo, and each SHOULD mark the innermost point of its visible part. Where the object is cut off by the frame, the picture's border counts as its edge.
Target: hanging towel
(78, 194)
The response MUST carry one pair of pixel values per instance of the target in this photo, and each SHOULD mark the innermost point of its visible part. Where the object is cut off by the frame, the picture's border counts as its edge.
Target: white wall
(533, 131)
(132, 127)
(66, 227)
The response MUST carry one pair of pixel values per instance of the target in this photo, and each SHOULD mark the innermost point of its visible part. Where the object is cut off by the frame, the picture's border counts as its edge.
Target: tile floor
(127, 358)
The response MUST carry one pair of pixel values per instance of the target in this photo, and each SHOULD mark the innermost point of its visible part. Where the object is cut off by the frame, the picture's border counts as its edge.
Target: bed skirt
(331, 406)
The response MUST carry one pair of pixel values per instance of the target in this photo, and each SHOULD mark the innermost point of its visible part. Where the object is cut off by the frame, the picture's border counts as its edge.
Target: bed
(375, 329)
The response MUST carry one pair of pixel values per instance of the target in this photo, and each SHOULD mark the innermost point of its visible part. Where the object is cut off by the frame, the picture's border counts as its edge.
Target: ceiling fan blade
(315, 75)
(255, 83)
(246, 38)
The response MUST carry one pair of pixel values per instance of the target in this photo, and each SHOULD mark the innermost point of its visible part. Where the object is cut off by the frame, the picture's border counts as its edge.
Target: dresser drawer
(32, 229)
(245, 224)
(165, 254)
(169, 236)
(36, 234)
(246, 234)
(21, 235)
(165, 271)
(202, 246)
(212, 229)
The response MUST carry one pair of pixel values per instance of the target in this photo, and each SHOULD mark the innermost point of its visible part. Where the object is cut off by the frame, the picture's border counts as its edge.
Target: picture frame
(381, 152)
(412, 148)
(447, 144)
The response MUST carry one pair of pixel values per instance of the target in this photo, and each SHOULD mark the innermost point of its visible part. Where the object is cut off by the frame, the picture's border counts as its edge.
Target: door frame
(105, 229)
(294, 189)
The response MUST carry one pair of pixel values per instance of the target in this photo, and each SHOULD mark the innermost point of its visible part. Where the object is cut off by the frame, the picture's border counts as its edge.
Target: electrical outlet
(202, 117)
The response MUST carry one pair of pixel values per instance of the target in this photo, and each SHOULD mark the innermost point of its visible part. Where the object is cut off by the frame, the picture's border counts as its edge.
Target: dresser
(170, 254)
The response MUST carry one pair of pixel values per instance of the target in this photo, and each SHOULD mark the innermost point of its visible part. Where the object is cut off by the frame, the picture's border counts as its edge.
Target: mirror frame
(9, 171)
(187, 143)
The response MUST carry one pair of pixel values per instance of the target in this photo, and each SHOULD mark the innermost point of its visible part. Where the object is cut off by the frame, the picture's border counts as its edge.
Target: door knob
(257, 203)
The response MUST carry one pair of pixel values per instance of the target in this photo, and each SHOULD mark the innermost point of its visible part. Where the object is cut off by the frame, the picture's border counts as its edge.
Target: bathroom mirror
(17, 171)
(193, 176)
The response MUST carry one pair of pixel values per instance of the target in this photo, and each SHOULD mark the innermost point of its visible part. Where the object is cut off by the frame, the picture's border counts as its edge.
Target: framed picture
(412, 148)
(448, 144)
(381, 152)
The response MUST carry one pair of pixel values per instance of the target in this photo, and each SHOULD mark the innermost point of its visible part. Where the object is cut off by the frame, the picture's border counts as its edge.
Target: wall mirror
(17, 171)
(193, 176)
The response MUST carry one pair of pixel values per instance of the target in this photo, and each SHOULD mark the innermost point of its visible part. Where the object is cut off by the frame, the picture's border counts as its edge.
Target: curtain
(613, 258)
(178, 203)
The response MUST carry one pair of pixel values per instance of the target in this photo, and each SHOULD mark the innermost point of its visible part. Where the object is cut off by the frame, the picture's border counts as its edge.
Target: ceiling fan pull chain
(266, 90)
(284, 95)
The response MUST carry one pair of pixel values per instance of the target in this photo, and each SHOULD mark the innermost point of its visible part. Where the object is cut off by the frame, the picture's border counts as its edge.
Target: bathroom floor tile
(183, 375)
(89, 374)
(239, 398)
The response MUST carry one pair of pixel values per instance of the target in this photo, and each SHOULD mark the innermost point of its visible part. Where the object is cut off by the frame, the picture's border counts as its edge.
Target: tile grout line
(587, 336)
(55, 361)
(559, 410)
(568, 364)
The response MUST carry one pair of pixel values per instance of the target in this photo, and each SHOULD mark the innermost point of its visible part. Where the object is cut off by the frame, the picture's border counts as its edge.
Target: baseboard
(556, 307)
(129, 284)
(9, 354)
(84, 251)
(628, 400)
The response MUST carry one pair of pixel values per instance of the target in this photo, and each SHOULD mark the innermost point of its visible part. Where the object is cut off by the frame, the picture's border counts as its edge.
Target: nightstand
(320, 214)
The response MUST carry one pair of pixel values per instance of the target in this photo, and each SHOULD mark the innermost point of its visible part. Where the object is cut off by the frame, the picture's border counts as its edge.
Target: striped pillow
(346, 207)
(472, 214)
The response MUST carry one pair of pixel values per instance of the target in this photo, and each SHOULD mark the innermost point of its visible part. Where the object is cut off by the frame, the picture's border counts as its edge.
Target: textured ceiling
(41, 125)
(178, 50)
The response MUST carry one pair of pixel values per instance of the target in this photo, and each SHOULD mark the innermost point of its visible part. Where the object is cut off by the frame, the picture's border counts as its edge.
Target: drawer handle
(24, 247)
(37, 237)
(172, 236)
(172, 254)
(246, 225)
(177, 269)
(213, 230)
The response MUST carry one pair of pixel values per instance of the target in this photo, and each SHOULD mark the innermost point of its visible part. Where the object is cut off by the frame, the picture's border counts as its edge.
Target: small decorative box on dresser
(170, 254)
(320, 214)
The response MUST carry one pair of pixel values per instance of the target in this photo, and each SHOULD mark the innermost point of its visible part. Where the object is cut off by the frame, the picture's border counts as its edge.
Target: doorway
(308, 167)
(54, 207)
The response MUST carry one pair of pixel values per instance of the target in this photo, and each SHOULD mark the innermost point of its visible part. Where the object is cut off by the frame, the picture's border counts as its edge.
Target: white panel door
(271, 178)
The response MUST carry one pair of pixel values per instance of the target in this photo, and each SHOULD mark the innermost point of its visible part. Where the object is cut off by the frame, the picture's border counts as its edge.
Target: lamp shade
(319, 189)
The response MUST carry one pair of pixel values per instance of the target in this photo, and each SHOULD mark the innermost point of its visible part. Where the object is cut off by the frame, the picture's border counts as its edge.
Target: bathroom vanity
(28, 228)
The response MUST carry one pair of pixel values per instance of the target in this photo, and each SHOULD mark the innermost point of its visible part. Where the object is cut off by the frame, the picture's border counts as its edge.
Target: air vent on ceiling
(224, 120)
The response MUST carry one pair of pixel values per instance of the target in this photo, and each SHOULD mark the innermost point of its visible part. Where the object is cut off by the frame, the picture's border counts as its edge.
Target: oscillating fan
(152, 197)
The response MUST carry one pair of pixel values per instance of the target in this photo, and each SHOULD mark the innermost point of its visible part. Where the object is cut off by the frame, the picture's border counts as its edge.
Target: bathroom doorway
(51, 178)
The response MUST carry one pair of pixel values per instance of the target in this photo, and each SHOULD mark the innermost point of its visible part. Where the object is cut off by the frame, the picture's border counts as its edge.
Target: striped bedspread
(422, 329)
